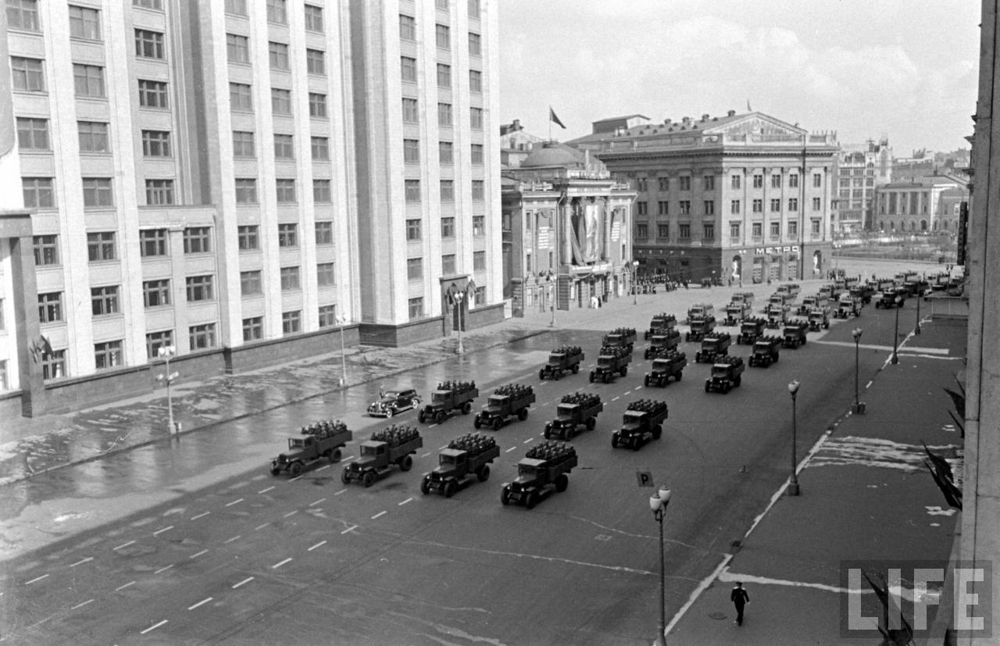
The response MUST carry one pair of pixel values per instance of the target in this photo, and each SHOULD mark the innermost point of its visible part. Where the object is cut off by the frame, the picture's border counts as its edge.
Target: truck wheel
(614, 440)
(531, 499)
(562, 482)
(439, 418)
(645, 381)
(466, 408)
(295, 469)
(484, 473)
(522, 414)
(591, 423)
(275, 471)
(708, 387)
(406, 463)
(737, 382)
(576, 368)
(547, 433)
(636, 443)
(541, 374)
(368, 479)
(568, 434)
(657, 432)
(328, 454)
(497, 423)
(450, 488)
(345, 477)
(425, 485)
(476, 422)
(591, 377)
(607, 377)
(624, 370)
(677, 377)
(505, 496)
(420, 417)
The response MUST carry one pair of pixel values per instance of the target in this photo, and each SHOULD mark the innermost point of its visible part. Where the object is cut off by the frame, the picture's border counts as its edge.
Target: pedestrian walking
(740, 599)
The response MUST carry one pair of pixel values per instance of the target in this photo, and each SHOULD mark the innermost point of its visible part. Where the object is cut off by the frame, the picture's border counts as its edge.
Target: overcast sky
(906, 69)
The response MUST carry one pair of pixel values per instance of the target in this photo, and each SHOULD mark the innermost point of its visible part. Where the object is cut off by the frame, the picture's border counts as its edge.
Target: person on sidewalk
(740, 599)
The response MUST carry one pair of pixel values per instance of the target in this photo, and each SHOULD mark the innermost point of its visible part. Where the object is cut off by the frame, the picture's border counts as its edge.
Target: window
(448, 264)
(54, 364)
(327, 315)
(153, 94)
(243, 144)
(442, 36)
(642, 231)
(107, 355)
(201, 337)
(477, 155)
(817, 204)
(474, 9)
(475, 44)
(416, 307)
(288, 234)
(815, 227)
(27, 74)
(149, 4)
(284, 147)
(412, 187)
(793, 180)
(478, 189)
(476, 118)
(240, 97)
(277, 55)
(148, 44)
(277, 11)
(281, 101)
(444, 75)
(447, 190)
(708, 231)
(441, 4)
(479, 261)
(321, 191)
(253, 328)
(316, 62)
(156, 293)
(478, 225)
(248, 236)
(475, 81)
(411, 151)
(155, 143)
(38, 193)
(735, 181)
(446, 152)
(414, 268)
(413, 230)
(407, 27)
(317, 105)
(641, 184)
(88, 81)
(709, 207)
(775, 230)
(101, 246)
(159, 192)
(640, 208)
(445, 119)
(775, 205)
(157, 340)
(237, 48)
(236, 7)
(663, 231)
(285, 191)
(46, 250)
(50, 307)
(246, 191)
(325, 275)
(250, 283)
(23, 15)
(793, 204)
(290, 279)
(734, 230)
(97, 192)
(93, 136)
(152, 243)
(758, 206)
(817, 180)
(685, 182)
(314, 18)
(411, 112)
(324, 233)
(757, 230)
(663, 208)
(104, 300)
(197, 240)
(199, 288)
(684, 231)
(775, 181)
(793, 229)
(291, 322)
(448, 227)
(708, 182)
(663, 183)
(32, 134)
(734, 207)
(758, 181)
(409, 69)
(685, 207)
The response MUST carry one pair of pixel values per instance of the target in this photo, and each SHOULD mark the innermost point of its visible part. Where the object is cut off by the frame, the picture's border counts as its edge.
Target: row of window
(735, 206)
(735, 182)
(445, 116)
(414, 228)
(447, 190)
(408, 70)
(238, 51)
(446, 152)
(708, 230)
(415, 266)
(442, 35)
(241, 100)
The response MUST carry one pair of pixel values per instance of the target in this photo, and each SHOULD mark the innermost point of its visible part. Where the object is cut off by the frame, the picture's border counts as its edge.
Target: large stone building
(860, 169)
(566, 225)
(240, 180)
(515, 143)
(926, 204)
(743, 196)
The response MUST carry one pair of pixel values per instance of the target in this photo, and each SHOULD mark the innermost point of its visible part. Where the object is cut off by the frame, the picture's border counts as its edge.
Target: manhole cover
(718, 616)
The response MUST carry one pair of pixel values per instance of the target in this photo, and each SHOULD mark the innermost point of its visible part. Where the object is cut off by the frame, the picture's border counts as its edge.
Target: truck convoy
(726, 374)
(621, 337)
(737, 311)
(563, 359)
(750, 330)
(766, 350)
(795, 333)
(393, 445)
(541, 471)
(642, 422)
(699, 328)
(819, 318)
(811, 302)
(847, 307)
(712, 346)
(576, 409)
(505, 402)
(317, 441)
(668, 340)
(611, 360)
(660, 324)
(700, 311)
(449, 397)
(466, 456)
(666, 364)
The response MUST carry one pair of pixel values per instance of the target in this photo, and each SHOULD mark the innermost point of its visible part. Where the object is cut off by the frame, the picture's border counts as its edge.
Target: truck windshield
(440, 397)
(719, 371)
(296, 442)
(525, 470)
(604, 361)
(369, 450)
(496, 400)
(446, 460)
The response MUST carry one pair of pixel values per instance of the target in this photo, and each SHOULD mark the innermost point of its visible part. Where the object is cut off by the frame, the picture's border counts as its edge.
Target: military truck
(792, 289)
(540, 472)
(621, 337)
(699, 328)
(563, 359)
(776, 315)
(393, 445)
(465, 457)
(742, 297)
(737, 311)
(642, 422)
(794, 334)
(750, 330)
(575, 409)
(323, 439)
(862, 293)
(766, 350)
(660, 324)
(700, 311)
(890, 298)
(611, 360)
(666, 365)
(779, 299)
(726, 374)
(810, 302)
(819, 318)
(847, 307)
(664, 341)
(505, 402)
(712, 346)
(449, 397)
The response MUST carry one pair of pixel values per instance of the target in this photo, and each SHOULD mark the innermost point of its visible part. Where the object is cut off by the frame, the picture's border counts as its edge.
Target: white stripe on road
(343, 490)
(122, 545)
(80, 605)
(81, 562)
(319, 544)
(869, 384)
(277, 565)
(325, 466)
(230, 504)
(313, 504)
(234, 538)
(153, 627)
(36, 579)
(244, 581)
(291, 513)
(400, 504)
(194, 556)
(381, 513)
(527, 441)
(122, 587)
(200, 603)
(707, 581)
(886, 348)
(160, 531)
(442, 448)
(265, 490)
(616, 399)
(513, 448)
(163, 569)
(349, 529)
(201, 515)
(424, 455)
(260, 527)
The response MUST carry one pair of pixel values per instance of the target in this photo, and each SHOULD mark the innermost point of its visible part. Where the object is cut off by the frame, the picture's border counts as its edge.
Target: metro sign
(763, 251)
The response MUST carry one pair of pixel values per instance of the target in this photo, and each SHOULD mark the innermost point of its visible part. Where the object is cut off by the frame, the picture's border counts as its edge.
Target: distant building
(566, 226)
(860, 169)
(743, 196)
(922, 205)
(515, 143)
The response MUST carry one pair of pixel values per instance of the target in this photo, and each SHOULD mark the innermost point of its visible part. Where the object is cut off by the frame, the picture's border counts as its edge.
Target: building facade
(923, 205)
(860, 169)
(213, 176)
(515, 144)
(742, 197)
(566, 225)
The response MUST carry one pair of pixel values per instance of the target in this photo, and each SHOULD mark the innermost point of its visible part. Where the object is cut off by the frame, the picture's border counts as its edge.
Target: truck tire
(657, 432)
(425, 485)
(368, 479)
(737, 381)
(406, 463)
(505, 496)
(614, 440)
(708, 386)
(576, 368)
(275, 471)
(295, 469)
(547, 433)
(497, 423)
(328, 454)
(568, 433)
(439, 418)
(477, 422)
(645, 381)
(636, 443)
(466, 408)
(607, 377)
(484, 473)
(531, 499)
(450, 488)
(562, 482)
(591, 423)
(677, 377)
(541, 374)
(522, 414)
(624, 370)
(591, 376)
(345, 477)
(420, 417)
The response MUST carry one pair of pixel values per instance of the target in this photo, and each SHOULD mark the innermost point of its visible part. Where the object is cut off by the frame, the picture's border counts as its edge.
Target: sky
(866, 69)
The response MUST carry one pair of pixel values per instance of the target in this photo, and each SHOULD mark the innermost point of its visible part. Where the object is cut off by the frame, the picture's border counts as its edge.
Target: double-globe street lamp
(898, 302)
(658, 503)
(793, 485)
(552, 280)
(856, 333)
(635, 286)
(342, 321)
(166, 352)
(459, 296)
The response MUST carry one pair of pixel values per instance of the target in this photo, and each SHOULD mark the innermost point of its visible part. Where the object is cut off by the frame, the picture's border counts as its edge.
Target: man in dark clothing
(740, 600)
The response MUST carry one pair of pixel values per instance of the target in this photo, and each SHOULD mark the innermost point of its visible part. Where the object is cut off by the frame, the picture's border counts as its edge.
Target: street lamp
(635, 290)
(898, 302)
(459, 296)
(165, 352)
(916, 329)
(658, 503)
(859, 408)
(550, 279)
(342, 321)
(793, 486)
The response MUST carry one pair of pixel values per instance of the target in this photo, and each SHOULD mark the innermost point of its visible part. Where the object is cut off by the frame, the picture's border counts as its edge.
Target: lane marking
(265, 490)
(153, 627)
(160, 531)
(201, 515)
(200, 603)
(400, 504)
(442, 448)
(244, 581)
(616, 399)
(122, 545)
(80, 605)
(432, 426)
(163, 569)
(36, 579)
(295, 478)
(319, 544)
(325, 466)
(313, 504)
(277, 565)
(869, 384)
(350, 458)
(343, 490)
(381, 513)
(423, 456)
(513, 448)
(527, 441)
(194, 556)
(291, 513)
(122, 587)
(349, 529)
(234, 538)
(235, 502)
(81, 562)
(259, 527)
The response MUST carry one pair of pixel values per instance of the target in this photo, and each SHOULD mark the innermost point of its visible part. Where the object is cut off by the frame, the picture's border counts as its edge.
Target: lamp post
(635, 271)
(342, 321)
(550, 279)
(459, 296)
(658, 503)
(856, 333)
(916, 328)
(165, 352)
(898, 302)
(793, 485)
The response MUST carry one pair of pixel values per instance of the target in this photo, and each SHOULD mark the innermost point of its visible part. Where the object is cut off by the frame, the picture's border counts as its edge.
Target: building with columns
(922, 205)
(742, 196)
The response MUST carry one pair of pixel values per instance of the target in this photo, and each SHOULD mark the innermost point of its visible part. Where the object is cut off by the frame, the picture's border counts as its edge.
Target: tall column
(567, 222)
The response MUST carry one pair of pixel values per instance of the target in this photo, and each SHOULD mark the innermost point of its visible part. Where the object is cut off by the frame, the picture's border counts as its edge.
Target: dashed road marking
(404, 502)
(201, 515)
(163, 569)
(194, 556)
(279, 564)
(122, 587)
(80, 605)
(82, 561)
(319, 544)
(153, 627)
(200, 603)
(265, 490)
(869, 385)
(513, 448)
(527, 441)
(243, 582)
(234, 538)
(442, 448)
(260, 527)
(313, 504)
(425, 454)
(432, 426)
(291, 513)
(122, 545)
(235, 502)
(295, 478)
(160, 531)
(381, 513)
(616, 399)
(36, 579)
(343, 490)
(325, 466)
(349, 529)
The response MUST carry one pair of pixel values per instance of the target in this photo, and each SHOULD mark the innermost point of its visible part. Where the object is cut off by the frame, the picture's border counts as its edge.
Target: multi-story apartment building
(239, 179)
(742, 196)
(860, 169)
(926, 204)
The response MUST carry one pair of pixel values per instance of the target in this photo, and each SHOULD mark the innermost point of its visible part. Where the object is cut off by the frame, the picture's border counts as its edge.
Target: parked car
(392, 402)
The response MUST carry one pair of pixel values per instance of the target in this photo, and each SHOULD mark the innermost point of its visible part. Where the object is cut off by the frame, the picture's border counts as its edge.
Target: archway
(817, 263)
(738, 269)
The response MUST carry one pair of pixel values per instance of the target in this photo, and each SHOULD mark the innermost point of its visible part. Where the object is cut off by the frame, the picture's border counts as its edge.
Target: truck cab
(372, 453)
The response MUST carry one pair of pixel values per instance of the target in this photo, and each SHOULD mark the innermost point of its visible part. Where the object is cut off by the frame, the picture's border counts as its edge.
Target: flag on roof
(553, 118)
